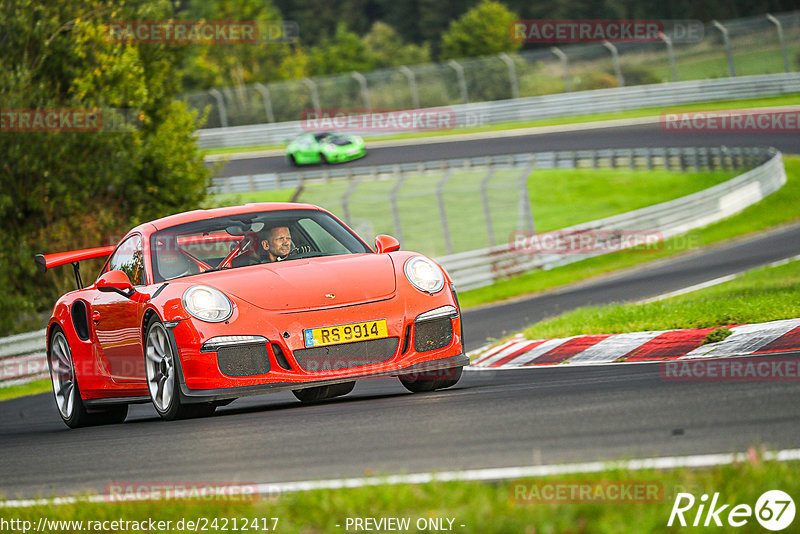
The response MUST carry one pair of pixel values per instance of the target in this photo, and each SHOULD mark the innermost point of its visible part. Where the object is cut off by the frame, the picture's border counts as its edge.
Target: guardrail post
(393, 201)
(613, 158)
(670, 54)
(223, 114)
(443, 212)
(512, 73)
(615, 58)
(265, 96)
(697, 162)
(649, 158)
(312, 87)
(564, 65)
(632, 162)
(412, 85)
(595, 162)
(727, 43)
(779, 27)
(667, 162)
(362, 81)
(682, 158)
(487, 212)
(462, 82)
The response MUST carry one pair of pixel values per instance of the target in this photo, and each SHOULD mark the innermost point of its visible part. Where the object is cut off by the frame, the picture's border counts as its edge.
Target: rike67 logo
(774, 510)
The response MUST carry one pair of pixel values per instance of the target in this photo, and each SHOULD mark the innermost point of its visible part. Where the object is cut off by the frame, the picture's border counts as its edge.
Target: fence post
(671, 54)
(265, 96)
(362, 81)
(565, 65)
(512, 74)
(615, 58)
(346, 201)
(412, 85)
(462, 82)
(727, 43)
(526, 221)
(487, 212)
(779, 27)
(443, 212)
(312, 87)
(223, 114)
(393, 201)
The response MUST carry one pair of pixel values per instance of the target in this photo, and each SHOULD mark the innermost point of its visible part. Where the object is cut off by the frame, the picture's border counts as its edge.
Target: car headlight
(424, 274)
(207, 304)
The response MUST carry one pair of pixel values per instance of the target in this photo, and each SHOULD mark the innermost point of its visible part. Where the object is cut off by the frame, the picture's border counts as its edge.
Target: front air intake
(243, 360)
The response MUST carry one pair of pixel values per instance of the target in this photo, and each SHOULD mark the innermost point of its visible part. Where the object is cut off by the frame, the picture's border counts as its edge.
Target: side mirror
(386, 243)
(115, 281)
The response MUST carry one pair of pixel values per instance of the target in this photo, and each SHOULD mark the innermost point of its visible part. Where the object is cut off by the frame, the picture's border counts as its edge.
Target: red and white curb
(760, 338)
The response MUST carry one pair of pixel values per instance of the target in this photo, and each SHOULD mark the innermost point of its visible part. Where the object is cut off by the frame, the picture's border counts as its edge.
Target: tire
(322, 393)
(67, 393)
(162, 375)
(293, 161)
(431, 380)
(323, 159)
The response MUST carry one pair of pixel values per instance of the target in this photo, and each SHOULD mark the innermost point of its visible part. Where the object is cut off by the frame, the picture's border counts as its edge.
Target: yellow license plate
(345, 333)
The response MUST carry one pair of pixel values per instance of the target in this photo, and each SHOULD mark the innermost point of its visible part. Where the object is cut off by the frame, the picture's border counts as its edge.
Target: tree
(390, 50)
(63, 190)
(481, 31)
(345, 52)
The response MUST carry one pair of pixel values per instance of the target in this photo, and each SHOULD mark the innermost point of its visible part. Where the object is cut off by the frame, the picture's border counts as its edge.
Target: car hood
(311, 283)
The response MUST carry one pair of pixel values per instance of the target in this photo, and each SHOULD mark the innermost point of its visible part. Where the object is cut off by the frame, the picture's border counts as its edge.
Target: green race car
(324, 147)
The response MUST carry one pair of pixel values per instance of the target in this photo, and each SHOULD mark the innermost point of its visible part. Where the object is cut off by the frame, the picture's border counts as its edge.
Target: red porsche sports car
(197, 309)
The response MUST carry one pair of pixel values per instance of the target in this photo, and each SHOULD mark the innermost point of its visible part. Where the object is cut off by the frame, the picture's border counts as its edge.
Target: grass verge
(786, 100)
(479, 507)
(779, 208)
(30, 388)
(761, 295)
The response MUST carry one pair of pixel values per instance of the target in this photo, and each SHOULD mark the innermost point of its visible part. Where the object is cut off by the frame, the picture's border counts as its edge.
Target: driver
(276, 244)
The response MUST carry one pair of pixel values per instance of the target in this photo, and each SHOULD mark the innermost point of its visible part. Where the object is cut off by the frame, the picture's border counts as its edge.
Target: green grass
(779, 208)
(590, 193)
(786, 100)
(765, 294)
(480, 507)
(20, 390)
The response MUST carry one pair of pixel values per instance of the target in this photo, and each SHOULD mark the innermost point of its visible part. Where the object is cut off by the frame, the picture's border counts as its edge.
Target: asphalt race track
(490, 419)
(620, 137)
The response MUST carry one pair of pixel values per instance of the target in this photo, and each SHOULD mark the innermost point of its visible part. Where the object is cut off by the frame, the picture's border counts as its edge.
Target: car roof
(200, 215)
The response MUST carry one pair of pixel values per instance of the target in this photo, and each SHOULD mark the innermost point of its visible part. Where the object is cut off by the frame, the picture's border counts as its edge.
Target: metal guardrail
(547, 106)
(22, 357)
(483, 267)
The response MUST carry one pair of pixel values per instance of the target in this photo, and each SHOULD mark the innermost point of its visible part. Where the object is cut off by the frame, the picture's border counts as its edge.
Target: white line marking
(478, 475)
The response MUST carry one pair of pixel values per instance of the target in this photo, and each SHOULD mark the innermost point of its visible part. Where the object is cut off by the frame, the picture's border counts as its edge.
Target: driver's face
(279, 242)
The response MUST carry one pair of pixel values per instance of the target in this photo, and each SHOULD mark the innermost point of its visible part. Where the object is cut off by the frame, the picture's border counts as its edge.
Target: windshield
(248, 239)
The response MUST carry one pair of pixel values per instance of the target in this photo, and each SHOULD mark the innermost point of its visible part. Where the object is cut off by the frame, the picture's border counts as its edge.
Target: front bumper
(421, 341)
